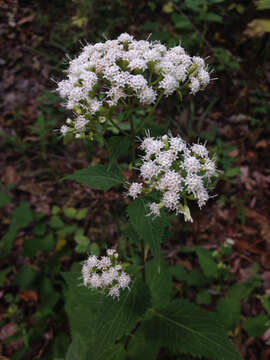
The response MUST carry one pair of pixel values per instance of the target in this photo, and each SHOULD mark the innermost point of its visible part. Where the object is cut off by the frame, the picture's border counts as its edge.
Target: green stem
(143, 258)
(150, 114)
(118, 127)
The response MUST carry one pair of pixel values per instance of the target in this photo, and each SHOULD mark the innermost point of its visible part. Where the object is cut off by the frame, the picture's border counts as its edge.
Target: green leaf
(118, 145)
(70, 212)
(185, 328)
(179, 272)
(180, 22)
(115, 352)
(76, 349)
(242, 290)
(207, 263)
(263, 4)
(56, 222)
(265, 300)
(4, 198)
(33, 245)
(196, 278)
(48, 298)
(25, 277)
(81, 214)
(257, 325)
(228, 312)
(141, 347)
(203, 297)
(3, 275)
(151, 230)
(160, 283)
(40, 229)
(21, 217)
(55, 210)
(98, 319)
(97, 177)
(209, 16)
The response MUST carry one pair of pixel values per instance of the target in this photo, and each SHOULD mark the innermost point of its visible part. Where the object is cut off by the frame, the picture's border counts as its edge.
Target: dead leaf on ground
(28, 296)
(10, 175)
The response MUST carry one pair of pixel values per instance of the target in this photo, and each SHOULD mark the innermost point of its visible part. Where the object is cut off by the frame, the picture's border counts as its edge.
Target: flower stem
(150, 114)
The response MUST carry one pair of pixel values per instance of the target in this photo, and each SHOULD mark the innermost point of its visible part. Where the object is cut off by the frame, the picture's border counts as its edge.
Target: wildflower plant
(127, 310)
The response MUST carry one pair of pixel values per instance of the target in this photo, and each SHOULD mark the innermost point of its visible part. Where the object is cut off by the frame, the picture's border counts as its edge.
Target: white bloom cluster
(105, 273)
(176, 171)
(106, 73)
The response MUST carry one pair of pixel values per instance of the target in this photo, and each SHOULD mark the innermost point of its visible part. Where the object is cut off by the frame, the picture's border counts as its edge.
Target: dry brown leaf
(261, 144)
(28, 296)
(10, 176)
(26, 19)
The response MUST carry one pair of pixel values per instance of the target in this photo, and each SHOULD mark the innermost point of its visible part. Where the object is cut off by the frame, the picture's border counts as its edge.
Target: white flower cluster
(105, 274)
(176, 171)
(106, 73)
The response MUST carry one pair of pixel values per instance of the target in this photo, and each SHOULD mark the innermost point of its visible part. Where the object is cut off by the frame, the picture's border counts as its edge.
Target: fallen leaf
(261, 144)
(28, 296)
(26, 19)
(10, 176)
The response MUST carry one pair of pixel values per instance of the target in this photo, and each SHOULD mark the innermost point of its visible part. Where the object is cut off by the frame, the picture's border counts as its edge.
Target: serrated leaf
(117, 146)
(141, 347)
(185, 328)
(98, 319)
(76, 349)
(21, 217)
(207, 263)
(228, 312)
(97, 177)
(115, 352)
(151, 230)
(257, 325)
(160, 283)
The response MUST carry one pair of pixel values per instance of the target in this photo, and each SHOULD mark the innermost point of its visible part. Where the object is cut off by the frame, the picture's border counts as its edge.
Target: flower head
(175, 171)
(105, 74)
(105, 274)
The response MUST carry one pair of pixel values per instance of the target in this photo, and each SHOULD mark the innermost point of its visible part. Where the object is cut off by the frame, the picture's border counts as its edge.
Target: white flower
(114, 291)
(92, 261)
(105, 274)
(173, 171)
(104, 262)
(154, 209)
(191, 164)
(64, 130)
(110, 252)
(199, 150)
(124, 280)
(134, 190)
(103, 75)
(95, 281)
(194, 85)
